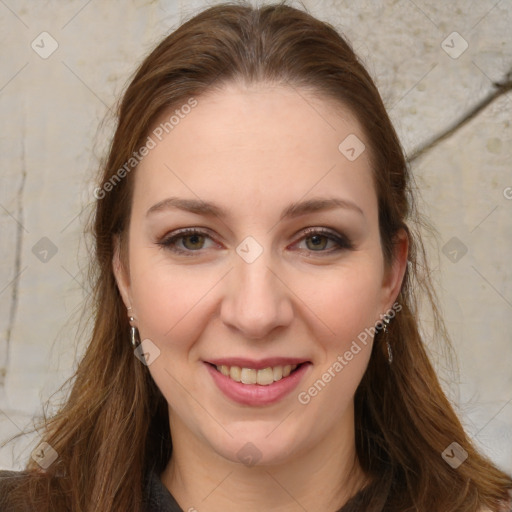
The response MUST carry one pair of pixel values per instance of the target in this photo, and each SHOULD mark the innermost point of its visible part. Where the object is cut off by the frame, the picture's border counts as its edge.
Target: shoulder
(505, 507)
(157, 496)
(8, 482)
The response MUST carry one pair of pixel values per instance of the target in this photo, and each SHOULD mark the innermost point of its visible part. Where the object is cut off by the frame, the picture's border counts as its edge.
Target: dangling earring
(385, 330)
(134, 332)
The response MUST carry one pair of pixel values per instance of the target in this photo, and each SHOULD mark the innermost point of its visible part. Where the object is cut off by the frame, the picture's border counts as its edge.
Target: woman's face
(280, 270)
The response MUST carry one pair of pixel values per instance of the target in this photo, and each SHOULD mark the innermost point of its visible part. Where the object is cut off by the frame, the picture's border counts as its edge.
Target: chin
(255, 447)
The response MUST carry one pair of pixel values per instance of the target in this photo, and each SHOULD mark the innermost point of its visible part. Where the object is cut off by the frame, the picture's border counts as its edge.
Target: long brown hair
(114, 427)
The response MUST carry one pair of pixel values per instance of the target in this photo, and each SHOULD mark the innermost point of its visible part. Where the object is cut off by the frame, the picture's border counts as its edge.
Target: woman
(255, 343)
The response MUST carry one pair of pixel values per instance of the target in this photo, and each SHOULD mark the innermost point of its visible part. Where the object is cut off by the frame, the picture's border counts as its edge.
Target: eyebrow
(296, 209)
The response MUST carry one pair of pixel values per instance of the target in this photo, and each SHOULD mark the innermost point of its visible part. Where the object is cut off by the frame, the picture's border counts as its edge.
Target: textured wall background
(444, 69)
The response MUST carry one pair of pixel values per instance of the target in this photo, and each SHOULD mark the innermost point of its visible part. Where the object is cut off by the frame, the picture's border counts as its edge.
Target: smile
(257, 383)
(263, 377)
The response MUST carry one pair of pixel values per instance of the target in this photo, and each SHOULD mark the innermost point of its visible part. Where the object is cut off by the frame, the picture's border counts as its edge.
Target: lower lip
(256, 394)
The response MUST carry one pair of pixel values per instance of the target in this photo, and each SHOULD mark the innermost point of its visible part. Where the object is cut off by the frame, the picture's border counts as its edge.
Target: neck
(322, 477)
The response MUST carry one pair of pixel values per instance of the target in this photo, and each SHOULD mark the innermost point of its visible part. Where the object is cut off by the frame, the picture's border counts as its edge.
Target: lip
(256, 394)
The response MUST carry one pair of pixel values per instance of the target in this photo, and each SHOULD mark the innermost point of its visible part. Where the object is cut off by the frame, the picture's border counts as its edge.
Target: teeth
(249, 376)
(264, 377)
(235, 373)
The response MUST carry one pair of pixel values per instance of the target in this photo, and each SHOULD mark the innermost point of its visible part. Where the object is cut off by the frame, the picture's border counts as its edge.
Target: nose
(256, 300)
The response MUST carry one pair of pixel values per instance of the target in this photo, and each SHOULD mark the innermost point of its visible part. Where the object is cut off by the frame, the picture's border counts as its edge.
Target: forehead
(259, 145)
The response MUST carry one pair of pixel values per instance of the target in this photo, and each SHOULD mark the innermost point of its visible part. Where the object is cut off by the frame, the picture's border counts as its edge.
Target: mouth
(257, 383)
(263, 377)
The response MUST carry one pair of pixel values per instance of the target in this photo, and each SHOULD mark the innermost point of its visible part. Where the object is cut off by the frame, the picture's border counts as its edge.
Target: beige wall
(50, 110)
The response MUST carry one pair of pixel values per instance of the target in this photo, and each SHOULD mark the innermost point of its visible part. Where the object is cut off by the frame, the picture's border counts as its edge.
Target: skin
(253, 151)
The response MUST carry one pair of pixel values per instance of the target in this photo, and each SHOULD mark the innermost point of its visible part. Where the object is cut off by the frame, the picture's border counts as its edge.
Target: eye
(185, 241)
(188, 241)
(320, 239)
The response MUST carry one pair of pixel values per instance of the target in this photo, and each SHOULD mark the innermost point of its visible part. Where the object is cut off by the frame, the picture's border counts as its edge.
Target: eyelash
(169, 242)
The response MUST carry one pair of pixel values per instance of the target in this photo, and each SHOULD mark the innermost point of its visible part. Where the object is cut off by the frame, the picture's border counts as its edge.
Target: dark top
(157, 497)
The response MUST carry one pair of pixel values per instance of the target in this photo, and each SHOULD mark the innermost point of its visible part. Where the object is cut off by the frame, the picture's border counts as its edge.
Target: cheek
(345, 301)
(173, 303)
(170, 299)
(348, 309)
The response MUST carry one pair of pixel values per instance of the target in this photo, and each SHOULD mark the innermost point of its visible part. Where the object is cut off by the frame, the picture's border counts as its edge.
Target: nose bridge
(256, 301)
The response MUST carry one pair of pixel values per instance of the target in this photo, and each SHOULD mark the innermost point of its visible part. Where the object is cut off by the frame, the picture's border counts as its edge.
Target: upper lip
(243, 362)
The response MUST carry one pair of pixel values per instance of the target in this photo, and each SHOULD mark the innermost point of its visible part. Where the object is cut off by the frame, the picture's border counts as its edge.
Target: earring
(134, 333)
(385, 330)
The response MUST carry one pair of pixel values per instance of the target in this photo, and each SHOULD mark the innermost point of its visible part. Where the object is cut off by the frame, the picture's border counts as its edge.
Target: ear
(121, 273)
(394, 274)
